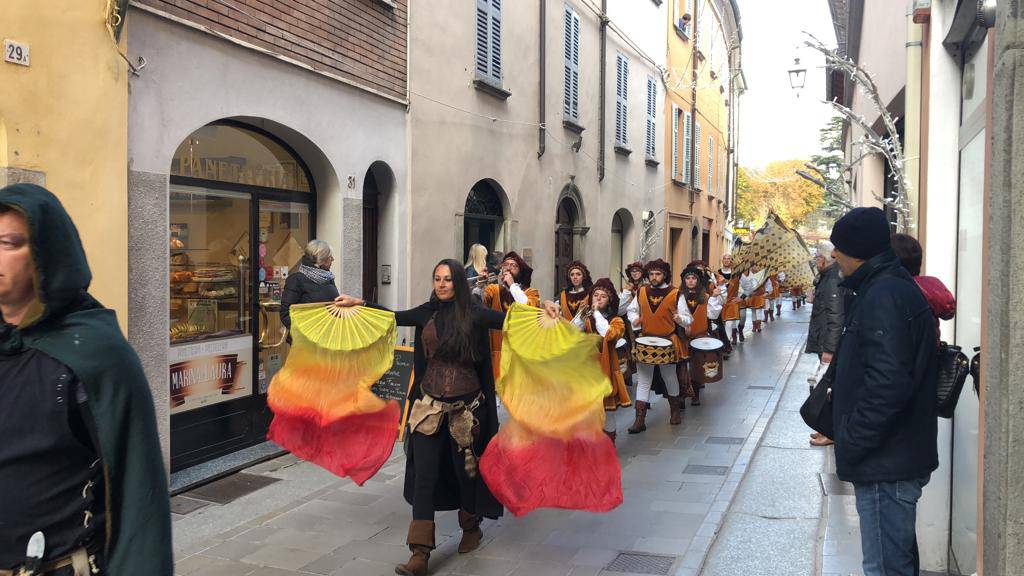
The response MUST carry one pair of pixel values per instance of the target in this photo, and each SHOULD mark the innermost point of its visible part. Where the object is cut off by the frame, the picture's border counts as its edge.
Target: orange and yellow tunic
(699, 327)
(731, 310)
(497, 297)
(657, 314)
(570, 302)
(757, 299)
(776, 288)
(610, 361)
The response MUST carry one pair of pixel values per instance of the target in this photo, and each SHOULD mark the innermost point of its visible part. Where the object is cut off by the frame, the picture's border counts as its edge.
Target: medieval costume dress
(81, 460)
(656, 311)
(573, 298)
(610, 327)
(702, 309)
(499, 298)
(752, 294)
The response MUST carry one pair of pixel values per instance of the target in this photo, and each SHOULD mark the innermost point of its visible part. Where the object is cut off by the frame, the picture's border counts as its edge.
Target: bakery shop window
(209, 276)
(227, 152)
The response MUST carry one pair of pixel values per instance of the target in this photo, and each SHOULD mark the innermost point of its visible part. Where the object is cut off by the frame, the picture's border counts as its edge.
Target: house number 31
(16, 53)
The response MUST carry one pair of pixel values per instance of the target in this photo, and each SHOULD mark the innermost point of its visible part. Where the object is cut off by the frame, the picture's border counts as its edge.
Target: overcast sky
(774, 123)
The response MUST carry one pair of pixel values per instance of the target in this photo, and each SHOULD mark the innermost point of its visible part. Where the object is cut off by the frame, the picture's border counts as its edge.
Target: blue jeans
(888, 537)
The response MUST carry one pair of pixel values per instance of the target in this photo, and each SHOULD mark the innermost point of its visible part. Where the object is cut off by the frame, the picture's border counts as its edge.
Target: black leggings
(435, 457)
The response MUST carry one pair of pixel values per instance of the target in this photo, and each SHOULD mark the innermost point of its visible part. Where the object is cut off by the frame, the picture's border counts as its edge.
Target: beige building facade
(531, 129)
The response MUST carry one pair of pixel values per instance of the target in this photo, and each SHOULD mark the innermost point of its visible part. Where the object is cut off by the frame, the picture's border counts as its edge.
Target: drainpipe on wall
(912, 119)
(543, 60)
(604, 72)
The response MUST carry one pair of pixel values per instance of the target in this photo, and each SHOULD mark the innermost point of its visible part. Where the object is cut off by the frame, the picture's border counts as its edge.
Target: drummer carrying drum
(702, 309)
(654, 314)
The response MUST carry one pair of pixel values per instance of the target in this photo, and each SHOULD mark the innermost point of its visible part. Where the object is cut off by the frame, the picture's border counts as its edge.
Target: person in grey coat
(826, 317)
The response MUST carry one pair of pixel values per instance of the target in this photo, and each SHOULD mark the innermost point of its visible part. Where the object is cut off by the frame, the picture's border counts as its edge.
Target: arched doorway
(565, 223)
(483, 217)
(242, 208)
(377, 187)
(621, 245)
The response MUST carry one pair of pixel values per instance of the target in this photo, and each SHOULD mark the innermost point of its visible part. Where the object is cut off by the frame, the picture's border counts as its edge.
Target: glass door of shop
(283, 229)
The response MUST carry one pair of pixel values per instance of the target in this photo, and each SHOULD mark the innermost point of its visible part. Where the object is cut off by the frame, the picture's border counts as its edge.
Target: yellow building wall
(66, 116)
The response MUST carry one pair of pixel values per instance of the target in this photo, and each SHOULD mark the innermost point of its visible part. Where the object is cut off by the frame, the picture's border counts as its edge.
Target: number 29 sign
(15, 52)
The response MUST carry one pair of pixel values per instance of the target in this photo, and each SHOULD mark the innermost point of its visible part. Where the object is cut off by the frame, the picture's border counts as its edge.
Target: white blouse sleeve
(715, 304)
(518, 294)
(683, 311)
(625, 299)
(601, 323)
(633, 313)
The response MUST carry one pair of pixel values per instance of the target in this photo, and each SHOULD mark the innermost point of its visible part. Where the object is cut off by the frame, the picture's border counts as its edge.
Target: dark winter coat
(827, 312)
(446, 496)
(79, 333)
(300, 289)
(884, 394)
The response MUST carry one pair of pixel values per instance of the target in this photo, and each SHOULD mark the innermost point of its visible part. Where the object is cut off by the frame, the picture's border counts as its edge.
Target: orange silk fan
(324, 411)
(553, 452)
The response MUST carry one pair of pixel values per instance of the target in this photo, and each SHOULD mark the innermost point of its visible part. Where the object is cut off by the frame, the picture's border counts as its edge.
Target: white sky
(774, 123)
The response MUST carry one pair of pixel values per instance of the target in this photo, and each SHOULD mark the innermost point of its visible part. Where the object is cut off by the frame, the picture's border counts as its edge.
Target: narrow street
(678, 483)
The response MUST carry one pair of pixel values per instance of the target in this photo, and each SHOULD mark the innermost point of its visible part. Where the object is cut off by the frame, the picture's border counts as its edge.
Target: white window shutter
(711, 164)
(651, 133)
(483, 38)
(621, 99)
(675, 142)
(687, 146)
(696, 156)
(496, 40)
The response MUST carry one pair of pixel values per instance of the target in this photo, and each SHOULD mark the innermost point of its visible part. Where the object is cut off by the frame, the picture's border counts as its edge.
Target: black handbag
(952, 373)
(817, 409)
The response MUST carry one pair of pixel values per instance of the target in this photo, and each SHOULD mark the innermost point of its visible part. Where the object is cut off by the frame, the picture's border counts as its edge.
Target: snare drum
(706, 360)
(654, 350)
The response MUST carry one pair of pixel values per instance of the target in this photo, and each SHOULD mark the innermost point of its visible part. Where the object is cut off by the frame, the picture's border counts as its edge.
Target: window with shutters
(675, 142)
(621, 100)
(488, 40)
(571, 106)
(696, 156)
(687, 146)
(711, 164)
(652, 132)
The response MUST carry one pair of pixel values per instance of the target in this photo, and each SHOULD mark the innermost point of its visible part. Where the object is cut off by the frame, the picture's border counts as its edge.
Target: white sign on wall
(16, 52)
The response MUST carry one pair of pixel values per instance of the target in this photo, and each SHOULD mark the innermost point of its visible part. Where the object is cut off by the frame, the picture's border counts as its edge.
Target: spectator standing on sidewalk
(884, 394)
(826, 317)
(910, 253)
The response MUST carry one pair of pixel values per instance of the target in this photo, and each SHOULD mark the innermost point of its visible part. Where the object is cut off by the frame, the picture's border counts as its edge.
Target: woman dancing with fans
(602, 319)
(453, 412)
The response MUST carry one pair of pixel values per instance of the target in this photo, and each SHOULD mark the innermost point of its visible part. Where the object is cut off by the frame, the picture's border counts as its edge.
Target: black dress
(448, 489)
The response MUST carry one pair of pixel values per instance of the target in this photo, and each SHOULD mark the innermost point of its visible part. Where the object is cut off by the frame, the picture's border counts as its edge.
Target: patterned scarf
(318, 275)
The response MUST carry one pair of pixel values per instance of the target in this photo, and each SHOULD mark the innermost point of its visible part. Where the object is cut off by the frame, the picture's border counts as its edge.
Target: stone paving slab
(310, 522)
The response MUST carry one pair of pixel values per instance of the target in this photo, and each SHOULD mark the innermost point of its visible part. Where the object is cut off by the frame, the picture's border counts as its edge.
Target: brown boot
(639, 424)
(742, 337)
(734, 337)
(471, 532)
(421, 542)
(778, 310)
(611, 434)
(676, 413)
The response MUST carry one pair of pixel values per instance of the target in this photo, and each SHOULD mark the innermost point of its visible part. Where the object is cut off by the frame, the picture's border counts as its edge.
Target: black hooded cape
(79, 332)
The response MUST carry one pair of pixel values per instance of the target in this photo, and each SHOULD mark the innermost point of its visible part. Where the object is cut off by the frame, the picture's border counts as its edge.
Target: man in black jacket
(884, 395)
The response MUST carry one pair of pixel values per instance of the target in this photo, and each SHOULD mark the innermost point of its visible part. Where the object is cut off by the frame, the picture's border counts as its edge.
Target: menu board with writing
(394, 384)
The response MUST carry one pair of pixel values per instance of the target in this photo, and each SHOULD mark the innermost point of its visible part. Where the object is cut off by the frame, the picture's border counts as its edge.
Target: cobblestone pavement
(678, 483)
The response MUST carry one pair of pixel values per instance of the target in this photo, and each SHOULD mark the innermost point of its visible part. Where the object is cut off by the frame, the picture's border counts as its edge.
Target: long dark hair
(455, 317)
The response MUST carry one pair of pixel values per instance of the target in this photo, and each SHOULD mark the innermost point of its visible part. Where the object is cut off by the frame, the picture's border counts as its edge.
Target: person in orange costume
(656, 311)
(513, 287)
(604, 321)
(577, 291)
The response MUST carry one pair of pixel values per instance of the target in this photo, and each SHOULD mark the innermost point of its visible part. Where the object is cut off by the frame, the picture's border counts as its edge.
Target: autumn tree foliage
(778, 188)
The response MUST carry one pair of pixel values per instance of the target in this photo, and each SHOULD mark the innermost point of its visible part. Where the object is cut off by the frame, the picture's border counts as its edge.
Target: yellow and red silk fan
(552, 453)
(324, 410)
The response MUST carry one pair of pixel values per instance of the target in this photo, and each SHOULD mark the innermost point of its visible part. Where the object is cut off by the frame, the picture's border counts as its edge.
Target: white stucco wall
(453, 147)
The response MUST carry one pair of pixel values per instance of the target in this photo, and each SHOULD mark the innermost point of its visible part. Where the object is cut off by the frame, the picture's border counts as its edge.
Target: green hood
(62, 273)
(75, 329)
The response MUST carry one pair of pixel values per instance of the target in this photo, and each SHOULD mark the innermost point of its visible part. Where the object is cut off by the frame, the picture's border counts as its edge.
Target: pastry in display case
(206, 301)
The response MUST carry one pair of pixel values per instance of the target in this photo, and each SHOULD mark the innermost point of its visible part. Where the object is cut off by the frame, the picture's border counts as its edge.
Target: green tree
(778, 188)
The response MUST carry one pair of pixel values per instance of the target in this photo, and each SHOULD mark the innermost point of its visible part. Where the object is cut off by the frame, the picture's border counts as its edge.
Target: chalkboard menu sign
(394, 384)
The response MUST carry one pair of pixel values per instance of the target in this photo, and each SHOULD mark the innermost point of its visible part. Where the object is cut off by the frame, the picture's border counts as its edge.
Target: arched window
(484, 216)
(238, 155)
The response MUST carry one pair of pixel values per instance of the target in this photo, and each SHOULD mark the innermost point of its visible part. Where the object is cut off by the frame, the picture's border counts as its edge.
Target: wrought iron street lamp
(797, 75)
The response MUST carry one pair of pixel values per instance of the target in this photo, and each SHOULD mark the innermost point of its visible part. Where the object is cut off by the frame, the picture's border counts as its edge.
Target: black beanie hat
(862, 233)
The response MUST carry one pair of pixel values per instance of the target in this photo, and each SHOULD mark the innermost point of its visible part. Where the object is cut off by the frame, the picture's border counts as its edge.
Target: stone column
(1003, 339)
